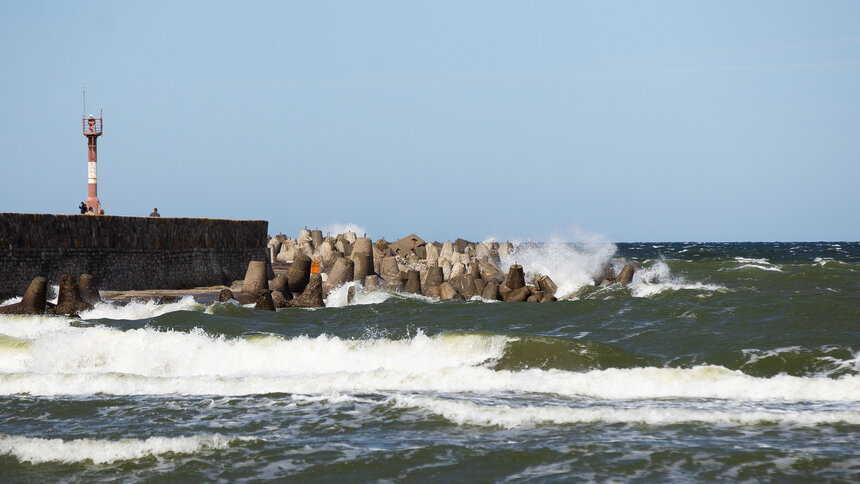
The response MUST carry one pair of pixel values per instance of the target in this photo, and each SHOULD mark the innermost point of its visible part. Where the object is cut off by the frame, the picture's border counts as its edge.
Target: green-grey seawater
(720, 362)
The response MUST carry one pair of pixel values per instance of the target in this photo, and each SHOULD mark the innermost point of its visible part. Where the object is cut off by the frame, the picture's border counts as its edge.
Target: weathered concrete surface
(127, 253)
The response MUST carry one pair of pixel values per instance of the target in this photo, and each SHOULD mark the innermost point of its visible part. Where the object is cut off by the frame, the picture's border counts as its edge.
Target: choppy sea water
(720, 362)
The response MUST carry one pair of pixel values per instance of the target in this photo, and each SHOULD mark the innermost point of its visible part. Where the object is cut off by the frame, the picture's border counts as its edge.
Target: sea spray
(657, 278)
(571, 265)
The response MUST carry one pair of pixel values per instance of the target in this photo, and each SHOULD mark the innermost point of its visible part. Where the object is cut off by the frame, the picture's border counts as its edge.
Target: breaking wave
(657, 278)
(90, 360)
(37, 450)
(464, 412)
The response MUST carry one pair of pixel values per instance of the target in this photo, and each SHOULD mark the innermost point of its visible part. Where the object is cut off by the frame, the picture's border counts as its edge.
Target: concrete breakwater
(123, 253)
(448, 270)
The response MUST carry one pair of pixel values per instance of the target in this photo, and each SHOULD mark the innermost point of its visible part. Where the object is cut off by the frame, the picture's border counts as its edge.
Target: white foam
(570, 266)
(465, 412)
(37, 450)
(32, 326)
(136, 310)
(757, 266)
(657, 278)
(338, 297)
(90, 360)
(13, 300)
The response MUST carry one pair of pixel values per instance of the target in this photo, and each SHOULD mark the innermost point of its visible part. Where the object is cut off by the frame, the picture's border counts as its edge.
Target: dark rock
(625, 276)
(89, 291)
(548, 298)
(34, 299)
(279, 283)
(536, 296)
(225, 295)
(168, 299)
(504, 291)
(312, 297)
(299, 273)
(69, 298)
(420, 251)
(264, 300)
(279, 300)
(350, 294)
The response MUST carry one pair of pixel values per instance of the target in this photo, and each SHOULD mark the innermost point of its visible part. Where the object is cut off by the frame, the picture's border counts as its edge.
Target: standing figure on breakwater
(83, 208)
(155, 213)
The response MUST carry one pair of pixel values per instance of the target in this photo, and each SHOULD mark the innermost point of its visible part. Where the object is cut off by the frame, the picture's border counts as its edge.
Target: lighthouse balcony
(92, 126)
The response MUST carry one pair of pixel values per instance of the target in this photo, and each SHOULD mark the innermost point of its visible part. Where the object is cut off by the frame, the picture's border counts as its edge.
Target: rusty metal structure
(92, 128)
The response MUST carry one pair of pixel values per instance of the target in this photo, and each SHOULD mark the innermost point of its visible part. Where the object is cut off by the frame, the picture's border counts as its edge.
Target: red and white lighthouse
(92, 130)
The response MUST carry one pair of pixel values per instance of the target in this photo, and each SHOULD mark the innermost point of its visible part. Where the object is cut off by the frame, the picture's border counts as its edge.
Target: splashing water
(571, 265)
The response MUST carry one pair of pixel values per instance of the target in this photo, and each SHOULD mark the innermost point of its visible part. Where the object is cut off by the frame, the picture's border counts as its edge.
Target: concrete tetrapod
(341, 273)
(255, 278)
(89, 291)
(517, 295)
(316, 238)
(626, 275)
(34, 299)
(281, 284)
(434, 279)
(279, 300)
(389, 269)
(371, 283)
(545, 284)
(447, 291)
(516, 278)
(264, 300)
(413, 282)
(299, 273)
(363, 265)
(468, 288)
(69, 298)
(312, 297)
(362, 245)
(491, 292)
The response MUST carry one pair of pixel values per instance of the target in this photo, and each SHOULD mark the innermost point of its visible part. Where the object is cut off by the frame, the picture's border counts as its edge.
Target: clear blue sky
(724, 120)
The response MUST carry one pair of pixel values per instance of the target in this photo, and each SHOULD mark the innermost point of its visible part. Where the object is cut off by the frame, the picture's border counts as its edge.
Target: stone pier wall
(124, 253)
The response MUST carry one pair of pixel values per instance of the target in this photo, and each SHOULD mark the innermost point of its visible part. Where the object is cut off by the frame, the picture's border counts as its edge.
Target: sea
(720, 362)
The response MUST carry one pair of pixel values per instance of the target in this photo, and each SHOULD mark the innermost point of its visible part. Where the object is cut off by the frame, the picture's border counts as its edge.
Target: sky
(630, 121)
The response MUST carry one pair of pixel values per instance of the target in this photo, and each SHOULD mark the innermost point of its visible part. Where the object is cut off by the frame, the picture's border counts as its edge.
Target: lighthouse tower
(92, 130)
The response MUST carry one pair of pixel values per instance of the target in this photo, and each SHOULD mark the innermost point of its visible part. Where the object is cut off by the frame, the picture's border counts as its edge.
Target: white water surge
(570, 265)
(63, 359)
(98, 451)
